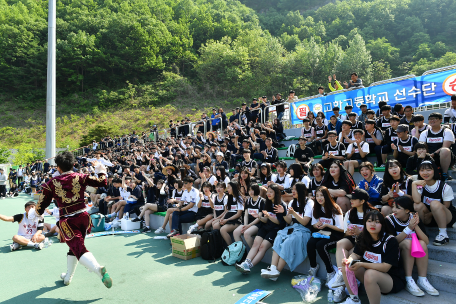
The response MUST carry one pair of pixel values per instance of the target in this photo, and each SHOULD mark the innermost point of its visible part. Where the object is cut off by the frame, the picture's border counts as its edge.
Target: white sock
(409, 279)
(420, 279)
(273, 267)
(443, 231)
(31, 244)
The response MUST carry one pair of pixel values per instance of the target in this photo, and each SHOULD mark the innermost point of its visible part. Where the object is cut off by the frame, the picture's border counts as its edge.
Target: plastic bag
(307, 286)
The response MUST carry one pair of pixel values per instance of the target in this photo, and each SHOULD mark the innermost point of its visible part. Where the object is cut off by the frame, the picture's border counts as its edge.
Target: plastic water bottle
(330, 296)
(127, 216)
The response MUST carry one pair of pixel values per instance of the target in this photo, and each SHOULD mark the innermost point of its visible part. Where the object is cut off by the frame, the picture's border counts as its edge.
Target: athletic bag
(98, 222)
(233, 254)
(291, 150)
(211, 245)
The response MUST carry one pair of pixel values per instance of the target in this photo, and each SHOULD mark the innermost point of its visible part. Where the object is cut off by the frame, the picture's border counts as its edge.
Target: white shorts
(52, 225)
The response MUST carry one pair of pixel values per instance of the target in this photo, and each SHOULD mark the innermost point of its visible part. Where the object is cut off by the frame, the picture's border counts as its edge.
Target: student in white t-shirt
(30, 231)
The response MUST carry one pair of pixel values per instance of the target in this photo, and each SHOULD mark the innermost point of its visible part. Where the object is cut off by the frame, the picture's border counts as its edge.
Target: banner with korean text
(418, 92)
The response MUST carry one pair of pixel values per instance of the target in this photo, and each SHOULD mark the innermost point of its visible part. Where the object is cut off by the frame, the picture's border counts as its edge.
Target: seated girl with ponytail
(272, 218)
(290, 243)
(232, 217)
(402, 223)
(353, 226)
(205, 208)
(219, 201)
(339, 183)
(254, 205)
(433, 201)
(374, 261)
(327, 220)
(395, 183)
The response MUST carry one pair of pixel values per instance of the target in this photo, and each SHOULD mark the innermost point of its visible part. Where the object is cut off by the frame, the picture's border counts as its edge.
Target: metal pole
(50, 96)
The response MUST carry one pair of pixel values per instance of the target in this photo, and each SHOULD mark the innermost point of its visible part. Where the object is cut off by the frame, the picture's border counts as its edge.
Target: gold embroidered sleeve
(99, 181)
(44, 200)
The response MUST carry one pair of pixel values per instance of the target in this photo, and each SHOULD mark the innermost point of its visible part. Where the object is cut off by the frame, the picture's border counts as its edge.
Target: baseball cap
(359, 194)
(402, 128)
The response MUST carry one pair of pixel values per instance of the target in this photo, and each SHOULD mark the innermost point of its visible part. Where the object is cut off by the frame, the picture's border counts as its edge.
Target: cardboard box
(186, 246)
(186, 254)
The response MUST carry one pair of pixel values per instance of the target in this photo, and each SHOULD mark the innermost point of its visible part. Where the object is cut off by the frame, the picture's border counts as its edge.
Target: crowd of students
(234, 182)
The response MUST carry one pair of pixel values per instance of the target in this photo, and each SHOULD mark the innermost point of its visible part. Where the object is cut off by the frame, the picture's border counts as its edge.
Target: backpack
(211, 245)
(291, 150)
(233, 254)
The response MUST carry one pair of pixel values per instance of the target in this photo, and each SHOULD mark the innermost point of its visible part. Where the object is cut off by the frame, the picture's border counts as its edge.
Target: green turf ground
(142, 269)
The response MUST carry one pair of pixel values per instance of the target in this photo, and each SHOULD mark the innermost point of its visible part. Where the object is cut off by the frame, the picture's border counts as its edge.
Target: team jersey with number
(27, 228)
(337, 150)
(219, 204)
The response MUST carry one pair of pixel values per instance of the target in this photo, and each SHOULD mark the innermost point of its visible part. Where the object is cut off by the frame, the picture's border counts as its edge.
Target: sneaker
(138, 219)
(15, 246)
(338, 281)
(146, 230)
(173, 233)
(329, 277)
(339, 294)
(192, 228)
(39, 246)
(49, 234)
(441, 240)
(351, 301)
(160, 230)
(414, 289)
(427, 287)
(270, 274)
(266, 270)
(242, 268)
(446, 177)
(313, 271)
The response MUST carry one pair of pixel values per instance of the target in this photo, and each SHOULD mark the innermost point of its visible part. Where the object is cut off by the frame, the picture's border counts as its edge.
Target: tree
(4, 155)
(96, 133)
(356, 59)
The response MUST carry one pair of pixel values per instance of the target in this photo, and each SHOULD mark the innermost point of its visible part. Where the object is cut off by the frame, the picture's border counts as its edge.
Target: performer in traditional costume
(67, 190)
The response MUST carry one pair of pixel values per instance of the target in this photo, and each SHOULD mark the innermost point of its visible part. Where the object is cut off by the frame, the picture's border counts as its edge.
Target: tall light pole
(50, 96)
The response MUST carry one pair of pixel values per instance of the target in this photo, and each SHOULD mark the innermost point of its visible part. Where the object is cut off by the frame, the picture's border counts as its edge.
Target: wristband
(400, 193)
(407, 230)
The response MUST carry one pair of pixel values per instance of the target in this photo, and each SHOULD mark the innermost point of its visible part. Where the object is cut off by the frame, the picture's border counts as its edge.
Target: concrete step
(441, 275)
(446, 253)
(434, 231)
(404, 297)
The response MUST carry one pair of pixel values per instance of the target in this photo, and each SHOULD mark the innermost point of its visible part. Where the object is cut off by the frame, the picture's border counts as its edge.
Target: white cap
(219, 154)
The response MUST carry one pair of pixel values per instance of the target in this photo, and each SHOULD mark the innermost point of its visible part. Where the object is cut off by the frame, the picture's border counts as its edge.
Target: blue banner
(254, 297)
(417, 92)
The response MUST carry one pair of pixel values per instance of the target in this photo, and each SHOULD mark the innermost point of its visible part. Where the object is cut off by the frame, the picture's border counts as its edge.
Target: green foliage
(96, 133)
(26, 153)
(4, 155)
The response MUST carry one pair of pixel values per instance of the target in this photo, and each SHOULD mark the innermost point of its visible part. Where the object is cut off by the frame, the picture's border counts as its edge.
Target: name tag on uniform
(408, 237)
(178, 198)
(333, 153)
(320, 132)
(219, 207)
(407, 148)
(393, 138)
(428, 200)
(356, 150)
(273, 215)
(253, 211)
(434, 140)
(360, 227)
(206, 204)
(234, 207)
(325, 220)
(307, 135)
(369, 140)
(386, 125)
(372, 257)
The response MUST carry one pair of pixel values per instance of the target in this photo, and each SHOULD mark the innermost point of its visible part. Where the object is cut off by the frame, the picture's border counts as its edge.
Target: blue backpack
(233, 254)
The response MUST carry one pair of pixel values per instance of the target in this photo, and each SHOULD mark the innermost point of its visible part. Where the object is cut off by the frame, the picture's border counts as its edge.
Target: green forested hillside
(132, 54)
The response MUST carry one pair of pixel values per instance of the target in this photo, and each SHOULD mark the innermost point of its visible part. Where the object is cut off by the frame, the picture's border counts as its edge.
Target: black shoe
(441, 240)
(146, 230)
(138, 219)
(49, 234)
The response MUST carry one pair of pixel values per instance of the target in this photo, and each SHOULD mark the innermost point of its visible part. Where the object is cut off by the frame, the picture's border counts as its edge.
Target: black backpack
(211, 247)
